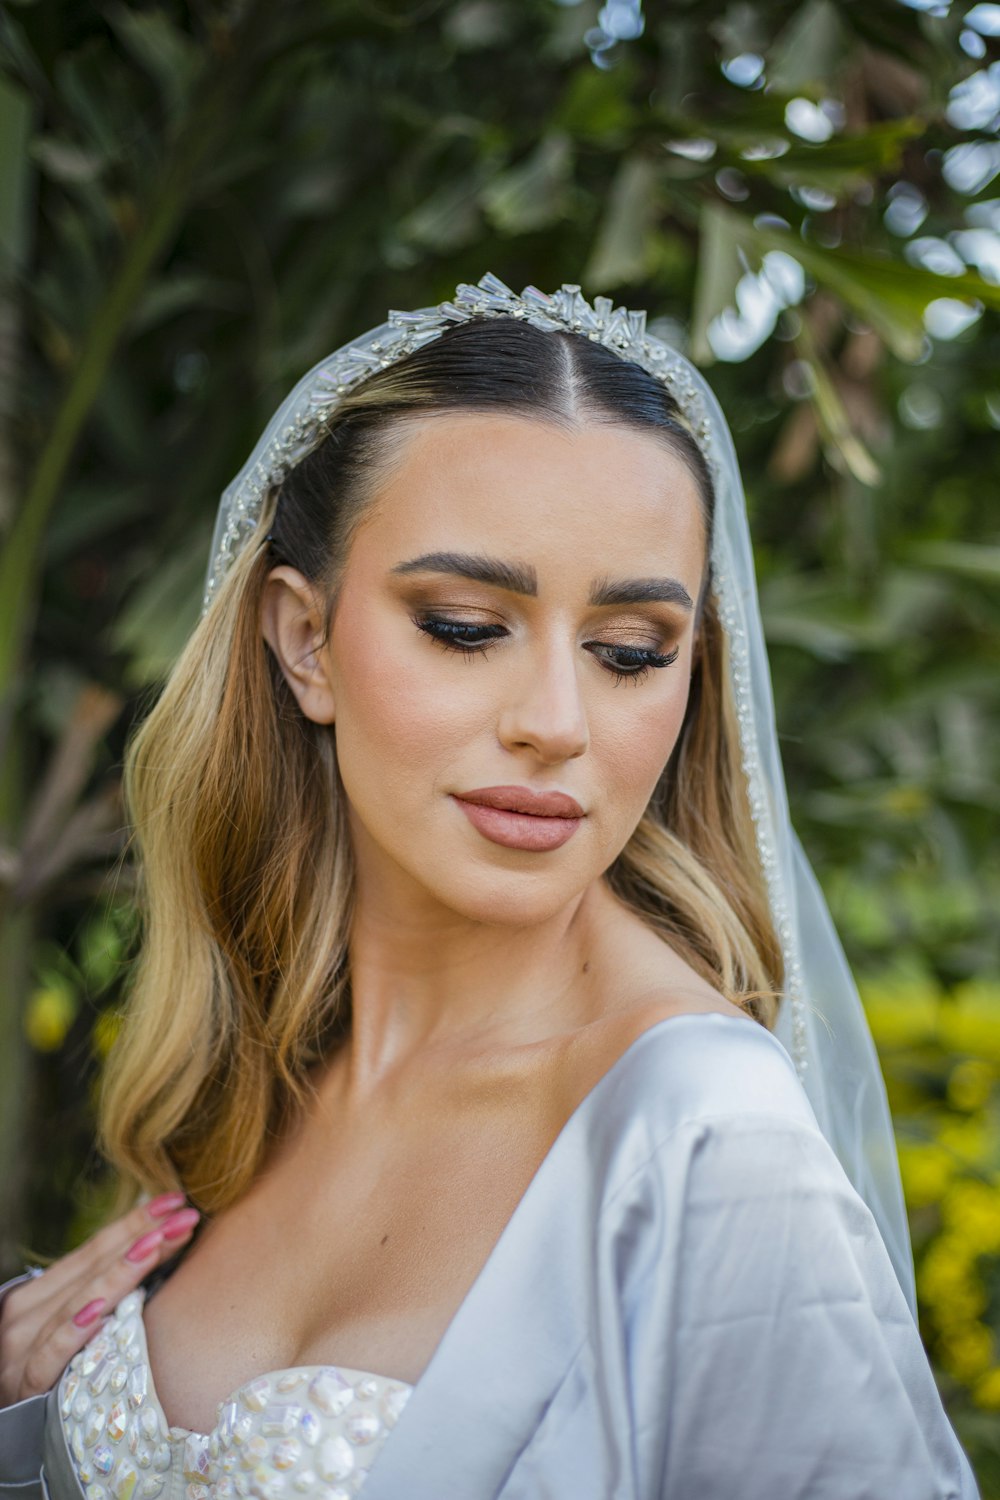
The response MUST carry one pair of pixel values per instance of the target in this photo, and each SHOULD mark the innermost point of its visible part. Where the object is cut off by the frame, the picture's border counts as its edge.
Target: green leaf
(836, 426)
(595, 107)
(719, 269)
(450, 217)
(102, 951)
(171, 295)
(89, 82)
(817, 614)
(967, 559)
(844, 163)
(809, 51)
(87, 512)
(477, 25)
(843, 445)
(889, 294)
(166, 54)
(64, 161)
(534, 194)
(16, 110)
(153, 627)
(621, 251)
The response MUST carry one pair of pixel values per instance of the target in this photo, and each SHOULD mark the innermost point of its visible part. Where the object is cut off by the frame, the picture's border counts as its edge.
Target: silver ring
(34, 1270)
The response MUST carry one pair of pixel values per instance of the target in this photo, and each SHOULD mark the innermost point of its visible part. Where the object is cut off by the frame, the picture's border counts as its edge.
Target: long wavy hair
(246, 877)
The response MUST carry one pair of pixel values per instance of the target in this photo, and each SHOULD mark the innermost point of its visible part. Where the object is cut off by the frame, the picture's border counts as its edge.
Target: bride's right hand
(45, 1321)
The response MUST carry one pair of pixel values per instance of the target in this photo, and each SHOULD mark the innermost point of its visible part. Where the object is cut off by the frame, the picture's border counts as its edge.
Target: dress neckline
(589, 1100)
(509, 1295)
(156, 1278)
(300, 1426)
(329, 1380)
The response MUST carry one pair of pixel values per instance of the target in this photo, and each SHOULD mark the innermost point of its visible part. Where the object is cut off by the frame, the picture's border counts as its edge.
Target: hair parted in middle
(246, 873)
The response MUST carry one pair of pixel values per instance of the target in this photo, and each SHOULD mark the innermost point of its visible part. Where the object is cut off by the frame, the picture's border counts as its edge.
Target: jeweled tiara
(300, 424)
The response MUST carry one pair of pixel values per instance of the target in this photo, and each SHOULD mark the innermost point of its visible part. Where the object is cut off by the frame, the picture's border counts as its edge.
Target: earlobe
(291, 623)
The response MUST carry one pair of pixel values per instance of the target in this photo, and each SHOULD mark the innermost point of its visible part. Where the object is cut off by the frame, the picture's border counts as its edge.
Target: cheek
(636, 743)
(407, 713)
(396, 717)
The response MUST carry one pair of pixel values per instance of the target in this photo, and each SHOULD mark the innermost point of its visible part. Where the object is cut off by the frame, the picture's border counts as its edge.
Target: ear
(293, 624)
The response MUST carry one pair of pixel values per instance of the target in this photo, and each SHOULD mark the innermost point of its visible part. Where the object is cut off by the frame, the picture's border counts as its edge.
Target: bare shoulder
(597, 1047)
(741, 1077)
(644, 981)
(663, 1004)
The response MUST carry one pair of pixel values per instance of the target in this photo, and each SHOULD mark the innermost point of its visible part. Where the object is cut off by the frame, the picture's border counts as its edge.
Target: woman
(488, 1015)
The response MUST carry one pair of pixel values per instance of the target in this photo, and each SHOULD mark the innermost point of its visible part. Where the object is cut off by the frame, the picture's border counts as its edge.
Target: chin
(507, 898)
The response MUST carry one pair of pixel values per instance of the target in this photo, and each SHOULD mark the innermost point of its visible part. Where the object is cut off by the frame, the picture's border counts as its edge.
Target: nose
(544, 709)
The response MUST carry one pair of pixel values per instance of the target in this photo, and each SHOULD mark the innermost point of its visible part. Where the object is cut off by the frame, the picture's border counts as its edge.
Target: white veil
(821, 1021)
(822, 1024)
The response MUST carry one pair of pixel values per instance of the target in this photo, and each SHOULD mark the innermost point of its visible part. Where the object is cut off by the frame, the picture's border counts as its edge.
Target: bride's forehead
(554, 503)
(468, 428)
(525, 457)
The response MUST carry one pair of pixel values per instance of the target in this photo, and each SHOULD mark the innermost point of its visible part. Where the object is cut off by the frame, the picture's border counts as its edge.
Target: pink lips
(523, 800)
(520, 818)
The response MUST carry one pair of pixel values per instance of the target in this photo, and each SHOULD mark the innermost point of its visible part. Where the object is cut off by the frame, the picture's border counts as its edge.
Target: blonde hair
(246, 875)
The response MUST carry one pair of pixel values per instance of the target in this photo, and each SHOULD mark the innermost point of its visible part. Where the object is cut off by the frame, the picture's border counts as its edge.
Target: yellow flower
(970, 1139)
(967, 1352)
(970, 1020)
(926, 1170)
(971, 1210)
(902, 1009)
(49, 1015)
(971, 1083)
(980, 993)
(946, 1270)
(961, 1307)
(986, 1391)
(105, 1031)
(904, 801)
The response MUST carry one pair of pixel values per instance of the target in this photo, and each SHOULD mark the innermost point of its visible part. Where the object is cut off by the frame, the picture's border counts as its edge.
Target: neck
(425, 978)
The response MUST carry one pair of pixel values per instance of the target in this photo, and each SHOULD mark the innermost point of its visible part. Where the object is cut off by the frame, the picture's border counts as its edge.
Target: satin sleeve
(786, 1355)
(22, 1430)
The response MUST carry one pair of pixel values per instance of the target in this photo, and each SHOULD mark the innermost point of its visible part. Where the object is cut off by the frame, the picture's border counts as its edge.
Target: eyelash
(647, 659)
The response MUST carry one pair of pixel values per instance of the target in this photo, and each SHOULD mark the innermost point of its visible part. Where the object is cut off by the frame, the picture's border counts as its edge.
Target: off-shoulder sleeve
(22, 1428)
(780, 1349)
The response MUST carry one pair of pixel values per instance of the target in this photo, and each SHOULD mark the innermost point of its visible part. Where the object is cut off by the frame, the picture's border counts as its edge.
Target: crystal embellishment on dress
(314, 1431)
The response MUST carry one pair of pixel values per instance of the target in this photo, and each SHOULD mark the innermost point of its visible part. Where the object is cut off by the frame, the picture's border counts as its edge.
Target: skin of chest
(357, 1247)
(358, 1243)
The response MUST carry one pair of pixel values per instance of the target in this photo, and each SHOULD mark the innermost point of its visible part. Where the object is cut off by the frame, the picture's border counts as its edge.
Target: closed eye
(626, 663)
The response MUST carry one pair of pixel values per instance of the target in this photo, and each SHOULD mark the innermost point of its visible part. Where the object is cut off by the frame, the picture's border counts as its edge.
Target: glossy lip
(522, 799)
(518, 830)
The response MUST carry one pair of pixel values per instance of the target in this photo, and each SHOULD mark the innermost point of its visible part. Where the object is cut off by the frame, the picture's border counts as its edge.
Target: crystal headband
(315, 399)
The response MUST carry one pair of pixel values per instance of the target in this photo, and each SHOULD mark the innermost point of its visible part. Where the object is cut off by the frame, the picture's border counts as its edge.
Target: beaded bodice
(313, 1431)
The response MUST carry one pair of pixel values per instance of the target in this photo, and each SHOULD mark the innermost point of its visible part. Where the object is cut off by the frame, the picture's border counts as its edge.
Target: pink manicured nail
(165, 1204)
(144, 1246)
(90, 1313)
(179, 1224)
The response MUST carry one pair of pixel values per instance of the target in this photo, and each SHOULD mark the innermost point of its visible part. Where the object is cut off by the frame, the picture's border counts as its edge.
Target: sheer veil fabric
(821, 1021)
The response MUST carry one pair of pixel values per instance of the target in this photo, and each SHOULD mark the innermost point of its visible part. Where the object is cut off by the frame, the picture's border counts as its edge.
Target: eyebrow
(521, 578)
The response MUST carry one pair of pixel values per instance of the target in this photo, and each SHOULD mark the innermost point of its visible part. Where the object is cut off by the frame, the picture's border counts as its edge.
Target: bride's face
(570, 565)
